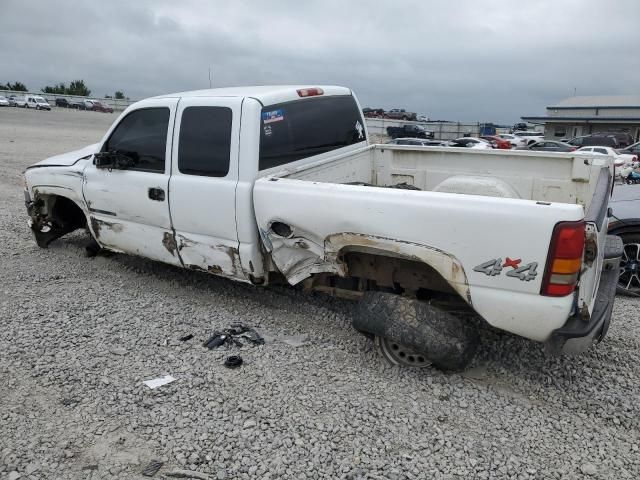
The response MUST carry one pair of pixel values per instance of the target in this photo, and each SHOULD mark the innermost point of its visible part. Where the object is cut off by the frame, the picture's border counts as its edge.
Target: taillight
(573, 149)
(310, 92)
(565, 259)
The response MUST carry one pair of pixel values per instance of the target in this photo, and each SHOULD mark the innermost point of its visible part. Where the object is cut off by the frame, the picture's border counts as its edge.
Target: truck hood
(68, 159)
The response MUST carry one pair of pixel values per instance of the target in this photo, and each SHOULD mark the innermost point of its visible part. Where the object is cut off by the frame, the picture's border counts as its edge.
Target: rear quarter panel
(471, 229)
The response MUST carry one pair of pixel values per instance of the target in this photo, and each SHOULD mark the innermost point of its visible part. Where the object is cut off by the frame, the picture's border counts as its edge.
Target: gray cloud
(462, 60)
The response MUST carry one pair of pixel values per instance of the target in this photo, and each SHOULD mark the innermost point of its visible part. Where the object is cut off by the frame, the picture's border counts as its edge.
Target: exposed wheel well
(53, 216)
(368, 271)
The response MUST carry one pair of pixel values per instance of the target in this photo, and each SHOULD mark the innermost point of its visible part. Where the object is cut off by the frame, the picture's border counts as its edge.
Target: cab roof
(265, 94)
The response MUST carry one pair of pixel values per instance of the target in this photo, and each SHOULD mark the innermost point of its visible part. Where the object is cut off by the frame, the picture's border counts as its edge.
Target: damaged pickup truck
(270, 185)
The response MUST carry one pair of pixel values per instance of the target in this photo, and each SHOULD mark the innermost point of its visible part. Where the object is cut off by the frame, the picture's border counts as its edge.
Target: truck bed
(474, 208)
(544, 177)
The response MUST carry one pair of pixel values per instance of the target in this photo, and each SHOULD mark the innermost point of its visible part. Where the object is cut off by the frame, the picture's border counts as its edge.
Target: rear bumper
(578, 334)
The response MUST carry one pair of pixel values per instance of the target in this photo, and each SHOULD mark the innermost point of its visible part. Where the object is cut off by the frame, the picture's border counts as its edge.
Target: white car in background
(513, 140)
(37, 102)
(530, 137)
(471, 142)
(619, 159)
(4, 102)
(20, 102)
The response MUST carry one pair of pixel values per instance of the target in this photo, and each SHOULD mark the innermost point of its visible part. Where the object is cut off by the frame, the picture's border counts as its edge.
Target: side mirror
(103, 160)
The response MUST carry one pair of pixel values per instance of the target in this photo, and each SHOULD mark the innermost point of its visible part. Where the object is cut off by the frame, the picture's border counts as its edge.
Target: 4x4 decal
(494, 267)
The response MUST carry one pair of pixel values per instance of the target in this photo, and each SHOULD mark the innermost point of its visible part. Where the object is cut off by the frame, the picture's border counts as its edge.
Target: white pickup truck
(272, 185)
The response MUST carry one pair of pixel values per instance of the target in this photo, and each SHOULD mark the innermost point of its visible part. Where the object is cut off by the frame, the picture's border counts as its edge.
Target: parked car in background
(594, 140)
(410, 130)
(619, 160)
(100, 107)
(633, 149)
(419, 142)
(512, 139)
(373, 112)
(625, 222)
(20, 101)
(624, 139)
(77, 104)
(401, 114)
(529, 136)
(519, 126)
(4, 102)
(549, 146)
(470, 142)
(37, 102)
(62, 102)
(422, 118)
(497, 142)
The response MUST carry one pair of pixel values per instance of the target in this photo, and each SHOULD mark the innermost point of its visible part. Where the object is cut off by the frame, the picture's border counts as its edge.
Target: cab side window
(142, 136)
(205, 141)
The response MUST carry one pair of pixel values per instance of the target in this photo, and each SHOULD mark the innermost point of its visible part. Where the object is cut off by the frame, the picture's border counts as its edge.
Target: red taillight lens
(310, 92)
(573, 149)
(565, 259)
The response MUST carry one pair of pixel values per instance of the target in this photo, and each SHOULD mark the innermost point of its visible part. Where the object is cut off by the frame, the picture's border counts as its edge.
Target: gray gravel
(80, 335)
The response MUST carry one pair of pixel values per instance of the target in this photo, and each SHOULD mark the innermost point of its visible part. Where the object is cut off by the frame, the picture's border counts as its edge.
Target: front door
(129, 208)
(203, 184)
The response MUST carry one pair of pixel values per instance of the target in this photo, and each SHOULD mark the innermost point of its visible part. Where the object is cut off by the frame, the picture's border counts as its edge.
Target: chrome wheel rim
(629, 277)
(397, 354)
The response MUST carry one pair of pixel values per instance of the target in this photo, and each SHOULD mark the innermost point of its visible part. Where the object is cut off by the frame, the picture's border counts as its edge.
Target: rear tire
(629, 276)
(417, 329)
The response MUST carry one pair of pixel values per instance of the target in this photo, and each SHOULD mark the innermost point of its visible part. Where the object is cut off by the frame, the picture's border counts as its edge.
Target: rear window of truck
(303, 128)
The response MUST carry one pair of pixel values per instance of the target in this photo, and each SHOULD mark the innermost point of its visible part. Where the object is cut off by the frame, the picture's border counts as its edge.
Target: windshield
(40, 100)
(304, 128)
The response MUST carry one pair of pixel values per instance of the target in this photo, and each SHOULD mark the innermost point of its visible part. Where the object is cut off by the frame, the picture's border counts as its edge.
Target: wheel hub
(397, 354)
(629, 277)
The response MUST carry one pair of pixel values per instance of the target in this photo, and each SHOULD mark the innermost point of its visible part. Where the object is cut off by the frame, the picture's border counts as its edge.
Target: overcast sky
(469, 60)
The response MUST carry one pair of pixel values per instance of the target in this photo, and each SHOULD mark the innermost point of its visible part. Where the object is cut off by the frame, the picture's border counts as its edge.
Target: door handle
(156, 194)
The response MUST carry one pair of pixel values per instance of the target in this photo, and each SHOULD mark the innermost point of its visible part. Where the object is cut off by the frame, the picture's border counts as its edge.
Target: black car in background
(549, 146)
(62, 102)
(625, 222)
(77, 104)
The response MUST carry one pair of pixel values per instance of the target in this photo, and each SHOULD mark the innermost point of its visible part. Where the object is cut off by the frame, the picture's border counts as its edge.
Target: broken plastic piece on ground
(187, 474)
(153, 467)
(233, 361)
(233, 334)
(158, 382)
(215, 341)
(186, 337)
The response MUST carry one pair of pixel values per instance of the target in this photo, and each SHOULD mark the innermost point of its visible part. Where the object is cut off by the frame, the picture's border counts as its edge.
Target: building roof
(573, 119)
(599, 101)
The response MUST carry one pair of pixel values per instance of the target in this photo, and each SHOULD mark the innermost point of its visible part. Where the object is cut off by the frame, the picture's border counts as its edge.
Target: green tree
(77, 87)
(60, 88)
(119, 95)
(17, 86)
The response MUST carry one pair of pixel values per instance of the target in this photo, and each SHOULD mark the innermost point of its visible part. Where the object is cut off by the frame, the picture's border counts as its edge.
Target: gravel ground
(81, 334)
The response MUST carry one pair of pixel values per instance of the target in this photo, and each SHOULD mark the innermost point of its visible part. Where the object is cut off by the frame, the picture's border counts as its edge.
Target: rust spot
(98, 225)
(95, 226)
(169, 243)
(215, 269)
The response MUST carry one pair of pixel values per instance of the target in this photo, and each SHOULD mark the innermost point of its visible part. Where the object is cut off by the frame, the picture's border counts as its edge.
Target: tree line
(76, 87)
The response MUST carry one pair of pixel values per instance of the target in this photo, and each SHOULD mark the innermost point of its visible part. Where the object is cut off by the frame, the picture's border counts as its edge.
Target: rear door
(129, 210)
(203, 184)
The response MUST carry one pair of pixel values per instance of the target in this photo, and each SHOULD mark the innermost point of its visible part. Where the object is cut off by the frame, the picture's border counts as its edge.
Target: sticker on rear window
(272, 116)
